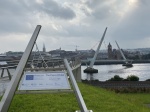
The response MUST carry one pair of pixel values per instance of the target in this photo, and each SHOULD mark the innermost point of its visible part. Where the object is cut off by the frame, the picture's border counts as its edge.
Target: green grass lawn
(96, 99)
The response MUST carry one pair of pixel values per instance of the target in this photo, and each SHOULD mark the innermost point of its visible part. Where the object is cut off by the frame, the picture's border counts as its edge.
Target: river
(106, 72)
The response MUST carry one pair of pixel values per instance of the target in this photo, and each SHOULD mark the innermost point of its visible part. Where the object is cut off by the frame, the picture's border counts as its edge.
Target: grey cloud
(95, 3)
(14, 17)
(52, 8)
(135, 25)
(12, 24)
(101, 9)
(23, 15)
(12, 8)
(17, 14)
(144, 2)
(102, 13)
(78, 31)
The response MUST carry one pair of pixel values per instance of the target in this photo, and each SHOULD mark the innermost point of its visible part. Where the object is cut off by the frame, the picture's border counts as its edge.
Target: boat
(127, 64)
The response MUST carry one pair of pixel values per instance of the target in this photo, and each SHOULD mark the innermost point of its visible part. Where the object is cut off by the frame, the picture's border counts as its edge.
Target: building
(110, 53)
(113, 53)
(116, 54)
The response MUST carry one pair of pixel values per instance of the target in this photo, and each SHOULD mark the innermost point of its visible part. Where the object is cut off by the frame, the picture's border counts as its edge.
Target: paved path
(3, 84)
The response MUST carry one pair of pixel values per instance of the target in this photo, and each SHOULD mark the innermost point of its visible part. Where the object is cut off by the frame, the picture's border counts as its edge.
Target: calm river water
(106, 72)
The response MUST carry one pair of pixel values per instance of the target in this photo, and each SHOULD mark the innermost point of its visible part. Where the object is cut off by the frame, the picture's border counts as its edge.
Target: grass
(96, 99)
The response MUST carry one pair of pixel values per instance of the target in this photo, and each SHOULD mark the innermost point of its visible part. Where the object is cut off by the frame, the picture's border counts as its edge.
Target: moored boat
(128, 65)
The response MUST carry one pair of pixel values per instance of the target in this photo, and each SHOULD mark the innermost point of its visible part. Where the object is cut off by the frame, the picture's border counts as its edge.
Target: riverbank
(122, 86)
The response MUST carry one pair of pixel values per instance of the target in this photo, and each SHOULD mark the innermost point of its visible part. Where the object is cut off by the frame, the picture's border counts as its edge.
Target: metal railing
(55, 65)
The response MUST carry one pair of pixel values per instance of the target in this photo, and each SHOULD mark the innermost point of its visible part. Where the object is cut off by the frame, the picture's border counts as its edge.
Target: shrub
(147, 80)
(116, 78)
(132, 78)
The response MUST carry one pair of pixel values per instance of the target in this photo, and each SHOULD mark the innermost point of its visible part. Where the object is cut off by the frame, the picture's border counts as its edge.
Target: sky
(71, 24)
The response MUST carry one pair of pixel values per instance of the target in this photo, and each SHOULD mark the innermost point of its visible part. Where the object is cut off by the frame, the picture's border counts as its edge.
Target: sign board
(44, 81)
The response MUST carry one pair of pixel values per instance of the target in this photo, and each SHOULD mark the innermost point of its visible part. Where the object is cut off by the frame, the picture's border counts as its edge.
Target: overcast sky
(71, 23)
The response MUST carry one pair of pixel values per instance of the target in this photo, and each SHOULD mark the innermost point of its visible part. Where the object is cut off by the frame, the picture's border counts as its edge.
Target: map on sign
(44, 81)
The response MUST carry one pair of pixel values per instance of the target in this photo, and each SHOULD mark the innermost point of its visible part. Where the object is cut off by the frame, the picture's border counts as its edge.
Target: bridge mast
(90, 69)
(94, 58)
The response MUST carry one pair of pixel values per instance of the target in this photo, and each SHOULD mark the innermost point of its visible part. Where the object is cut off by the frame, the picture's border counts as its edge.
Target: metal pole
(9, 75)
(10, 91)
(2, 72)
(75, 88)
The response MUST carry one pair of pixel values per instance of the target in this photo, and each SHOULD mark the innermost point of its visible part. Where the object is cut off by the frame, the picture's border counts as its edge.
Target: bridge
(74, 64)
(51, 65)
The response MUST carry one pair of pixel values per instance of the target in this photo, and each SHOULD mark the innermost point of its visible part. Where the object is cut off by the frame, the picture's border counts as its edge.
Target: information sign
(44, 81)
